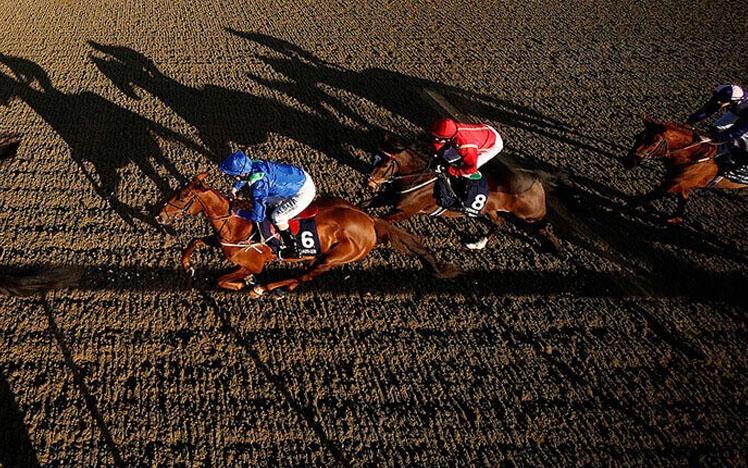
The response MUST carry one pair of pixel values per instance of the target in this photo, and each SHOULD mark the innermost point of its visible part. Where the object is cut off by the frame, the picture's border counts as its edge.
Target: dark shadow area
(9, 143)
(16, 448)
(699, 285)
(28, 281)
(306, 76)
(306, 413)
(223, 115)
(103, 137)
(79, 381)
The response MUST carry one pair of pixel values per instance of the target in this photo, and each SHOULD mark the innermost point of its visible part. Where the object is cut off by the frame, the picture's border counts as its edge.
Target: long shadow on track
(695, 284)
(100, 134)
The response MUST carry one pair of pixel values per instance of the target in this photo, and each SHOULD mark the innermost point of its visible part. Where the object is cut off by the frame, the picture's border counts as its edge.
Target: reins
(394, 166)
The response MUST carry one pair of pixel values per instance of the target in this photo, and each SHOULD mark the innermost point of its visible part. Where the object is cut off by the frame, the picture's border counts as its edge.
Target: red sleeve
(469, 162)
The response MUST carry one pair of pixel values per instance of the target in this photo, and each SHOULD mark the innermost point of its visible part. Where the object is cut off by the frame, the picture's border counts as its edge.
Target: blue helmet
(237, 164)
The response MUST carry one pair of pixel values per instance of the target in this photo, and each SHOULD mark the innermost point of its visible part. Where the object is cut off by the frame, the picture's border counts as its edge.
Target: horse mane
(239, 203)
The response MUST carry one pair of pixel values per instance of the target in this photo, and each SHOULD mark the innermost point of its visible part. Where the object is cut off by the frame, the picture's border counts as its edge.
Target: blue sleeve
(259, 195)
(239, 185)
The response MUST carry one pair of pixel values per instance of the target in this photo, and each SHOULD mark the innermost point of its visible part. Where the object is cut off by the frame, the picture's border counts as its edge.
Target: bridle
(663, 149)
(393, 166)
(188, 204)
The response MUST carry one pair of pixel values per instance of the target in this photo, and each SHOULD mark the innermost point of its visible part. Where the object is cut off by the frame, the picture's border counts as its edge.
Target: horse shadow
(306, 76)
(102, 136)
(222, 115)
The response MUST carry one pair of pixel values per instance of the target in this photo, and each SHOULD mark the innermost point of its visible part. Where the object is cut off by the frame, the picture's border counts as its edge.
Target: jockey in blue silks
(278, 191)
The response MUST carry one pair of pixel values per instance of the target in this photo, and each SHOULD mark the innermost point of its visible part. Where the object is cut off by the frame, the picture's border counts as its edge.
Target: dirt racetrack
(630, 351)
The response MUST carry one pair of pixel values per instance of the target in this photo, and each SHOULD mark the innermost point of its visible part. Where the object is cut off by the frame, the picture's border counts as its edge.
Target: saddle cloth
(468, 195)
(303, 226)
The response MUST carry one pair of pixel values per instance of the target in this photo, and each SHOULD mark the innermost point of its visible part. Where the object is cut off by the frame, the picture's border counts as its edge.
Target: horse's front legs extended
(193, 244)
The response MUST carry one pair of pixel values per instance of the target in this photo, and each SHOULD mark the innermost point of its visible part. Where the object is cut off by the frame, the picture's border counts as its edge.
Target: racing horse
(690, 163)
(346, 235)
(407, 169)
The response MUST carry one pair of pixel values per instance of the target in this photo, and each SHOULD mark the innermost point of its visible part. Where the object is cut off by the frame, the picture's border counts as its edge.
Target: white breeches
(287, 208)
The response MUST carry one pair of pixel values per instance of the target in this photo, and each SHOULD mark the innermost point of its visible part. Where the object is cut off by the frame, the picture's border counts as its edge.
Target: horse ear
(202, 176)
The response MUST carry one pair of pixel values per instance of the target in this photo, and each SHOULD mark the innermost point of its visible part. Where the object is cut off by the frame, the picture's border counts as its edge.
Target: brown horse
(689, 162)
(346, 235)
(408, 169)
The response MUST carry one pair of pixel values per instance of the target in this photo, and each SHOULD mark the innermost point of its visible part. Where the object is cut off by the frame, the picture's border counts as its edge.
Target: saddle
(303, 226)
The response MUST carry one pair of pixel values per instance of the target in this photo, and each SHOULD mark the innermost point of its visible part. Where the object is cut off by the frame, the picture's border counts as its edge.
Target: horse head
(650, 142)
(392, 159)
(185, 201)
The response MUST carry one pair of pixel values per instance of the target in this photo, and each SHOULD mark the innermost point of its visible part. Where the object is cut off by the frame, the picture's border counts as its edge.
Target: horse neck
(683, 145)
(413, 163)
(214, 206)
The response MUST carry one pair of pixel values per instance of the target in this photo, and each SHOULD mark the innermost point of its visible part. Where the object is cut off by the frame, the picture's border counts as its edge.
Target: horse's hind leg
(544, 230)
(341, 253)
(234, 280)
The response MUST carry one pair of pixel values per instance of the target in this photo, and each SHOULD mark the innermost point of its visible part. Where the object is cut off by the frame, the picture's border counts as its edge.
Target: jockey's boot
(289, 249)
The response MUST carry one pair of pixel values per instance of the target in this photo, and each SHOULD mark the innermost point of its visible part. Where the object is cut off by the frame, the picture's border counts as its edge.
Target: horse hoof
(256, 292)
(250, 280)
(674, 221)
(278, 294)
(477, 245)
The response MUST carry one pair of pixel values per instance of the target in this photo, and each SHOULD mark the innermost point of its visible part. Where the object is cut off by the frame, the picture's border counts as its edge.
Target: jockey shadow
(103, 137)
(306, 77)
(222, 115)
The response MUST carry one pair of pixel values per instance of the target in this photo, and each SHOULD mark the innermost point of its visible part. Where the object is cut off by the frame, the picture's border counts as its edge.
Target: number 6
(307, 240)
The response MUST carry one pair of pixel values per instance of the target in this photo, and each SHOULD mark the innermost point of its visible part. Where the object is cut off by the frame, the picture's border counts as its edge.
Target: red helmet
(444, 128)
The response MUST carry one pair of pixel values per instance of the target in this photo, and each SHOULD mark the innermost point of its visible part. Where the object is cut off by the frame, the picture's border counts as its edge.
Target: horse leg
(234, 280)
(195, 243)
(339, 254)
(640, 200)
(494, 222)
(679, 215)
(544, 229)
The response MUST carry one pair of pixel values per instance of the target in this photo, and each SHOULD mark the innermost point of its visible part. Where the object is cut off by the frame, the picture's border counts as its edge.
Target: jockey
(732, 128)
(468, 145)
(278, 191)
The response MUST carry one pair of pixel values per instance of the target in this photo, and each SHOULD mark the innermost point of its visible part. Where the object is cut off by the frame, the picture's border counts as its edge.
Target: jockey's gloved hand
(439, 168)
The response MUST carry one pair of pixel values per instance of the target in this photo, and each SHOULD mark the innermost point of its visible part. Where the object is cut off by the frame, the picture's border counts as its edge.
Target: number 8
(479, 201)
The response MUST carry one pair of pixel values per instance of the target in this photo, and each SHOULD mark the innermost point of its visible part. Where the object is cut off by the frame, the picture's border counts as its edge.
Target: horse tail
(409, 244)
(40, 282)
